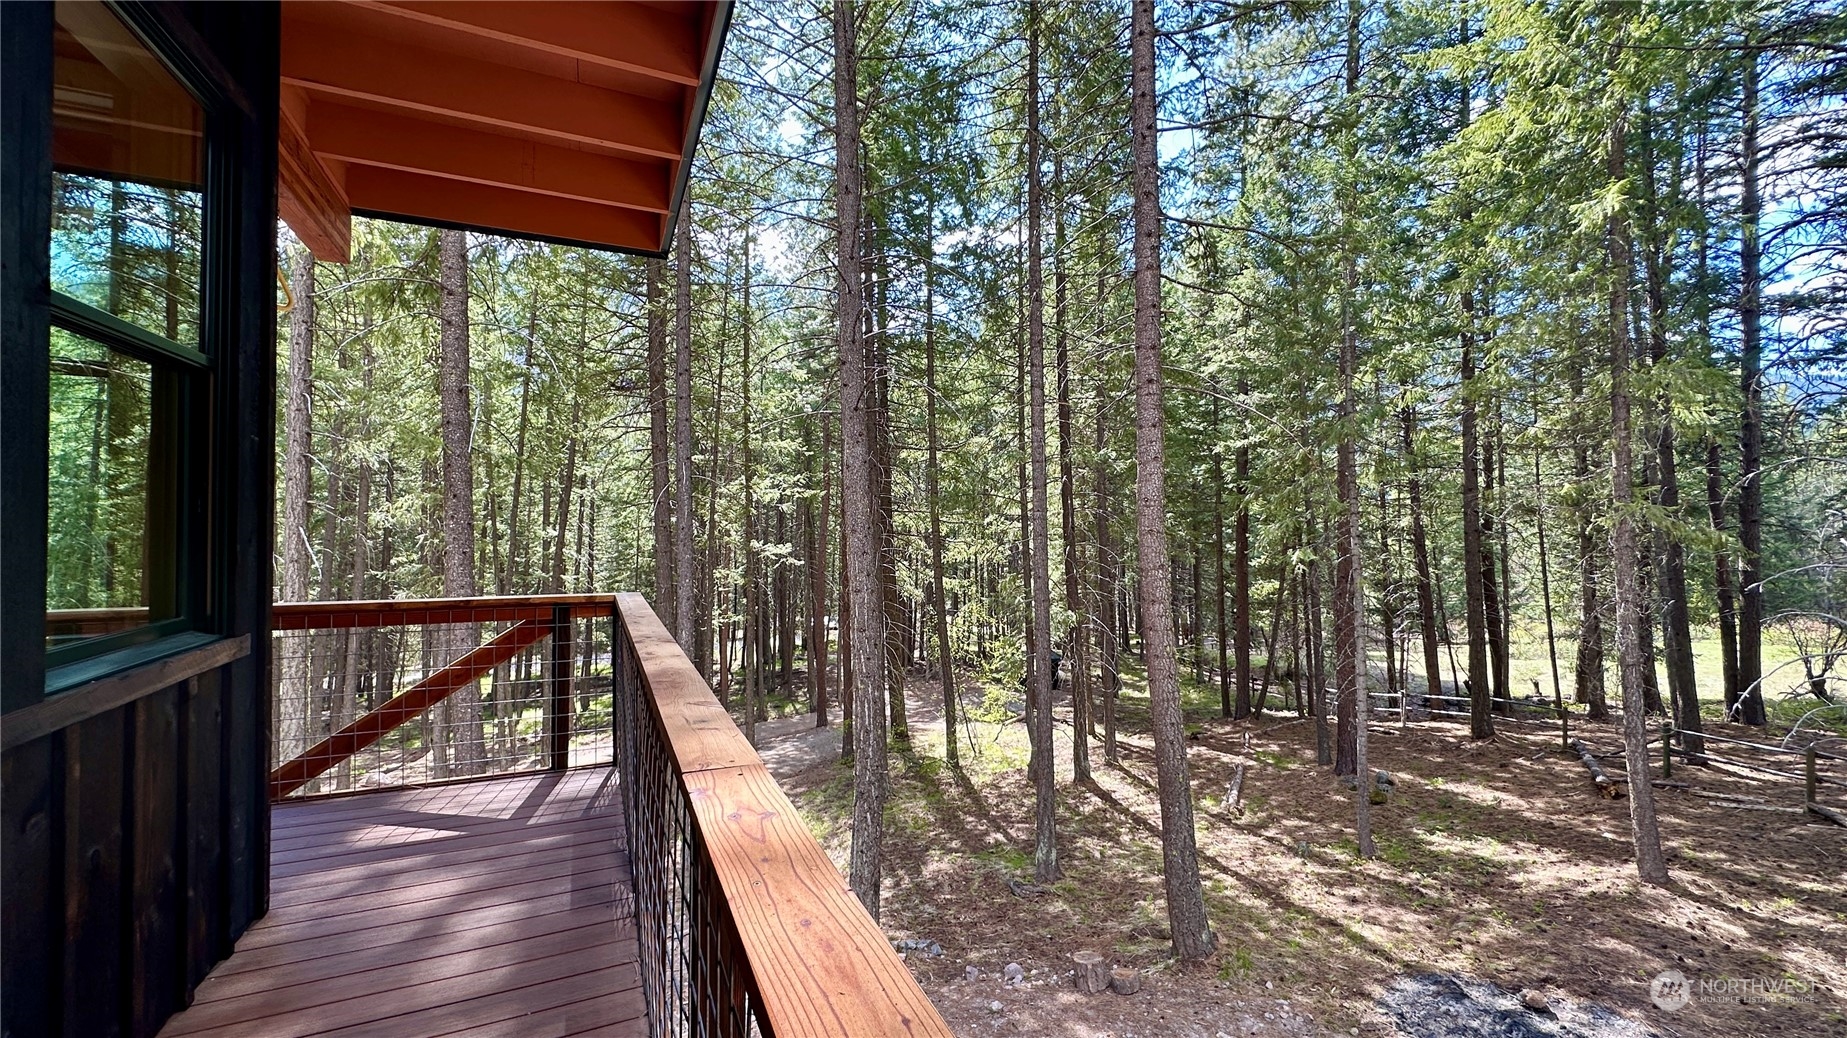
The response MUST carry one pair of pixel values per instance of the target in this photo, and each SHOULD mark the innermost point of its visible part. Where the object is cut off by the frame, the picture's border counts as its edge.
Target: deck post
(558, 708)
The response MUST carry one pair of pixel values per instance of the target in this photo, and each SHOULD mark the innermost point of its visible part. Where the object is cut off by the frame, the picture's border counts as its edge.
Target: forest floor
(1497, 863)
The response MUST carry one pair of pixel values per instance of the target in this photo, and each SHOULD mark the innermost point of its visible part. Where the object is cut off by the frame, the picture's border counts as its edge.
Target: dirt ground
(1497, 862)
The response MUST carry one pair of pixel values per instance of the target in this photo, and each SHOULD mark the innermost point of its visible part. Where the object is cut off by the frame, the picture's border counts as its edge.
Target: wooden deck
(489, 908)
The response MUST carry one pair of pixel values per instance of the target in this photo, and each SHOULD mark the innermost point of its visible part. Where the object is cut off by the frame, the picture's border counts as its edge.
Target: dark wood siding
(134, 836)
(118, 861)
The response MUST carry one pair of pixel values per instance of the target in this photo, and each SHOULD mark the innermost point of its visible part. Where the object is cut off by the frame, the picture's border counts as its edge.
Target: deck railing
(745, 925)
(403, 692)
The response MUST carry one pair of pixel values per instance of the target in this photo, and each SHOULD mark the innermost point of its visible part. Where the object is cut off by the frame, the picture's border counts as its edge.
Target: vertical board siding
(30, 873)
(94, 753)
(117, 865)
(204, 807)
(154, 975)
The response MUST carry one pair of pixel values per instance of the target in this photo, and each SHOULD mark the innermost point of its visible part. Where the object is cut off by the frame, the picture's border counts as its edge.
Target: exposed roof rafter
(364, 137)
(570, 122)
(635, 39)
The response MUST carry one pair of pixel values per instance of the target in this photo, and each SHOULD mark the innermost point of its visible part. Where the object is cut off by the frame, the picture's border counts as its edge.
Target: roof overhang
(568, 122)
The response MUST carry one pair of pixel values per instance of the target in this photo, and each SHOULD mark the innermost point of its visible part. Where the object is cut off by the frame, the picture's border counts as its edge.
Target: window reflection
(110, 551)
(128, 159)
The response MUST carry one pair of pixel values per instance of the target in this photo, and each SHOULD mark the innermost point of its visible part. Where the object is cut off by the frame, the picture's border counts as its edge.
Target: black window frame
(196, 371)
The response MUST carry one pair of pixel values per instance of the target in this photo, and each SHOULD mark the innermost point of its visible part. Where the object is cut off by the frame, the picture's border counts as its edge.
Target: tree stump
(1091, 972)
(1124, 981)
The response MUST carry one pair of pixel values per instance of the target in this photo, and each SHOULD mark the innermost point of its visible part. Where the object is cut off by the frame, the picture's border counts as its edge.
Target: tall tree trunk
(933, 490)
(1723, 576)
(1078, 637)
(660, 488)
(753, 599)
(297, 488)
(1648, 859)
(464, 714)
(516, 517)
(1724, 573)
(819, 519)
(1039, 671)
(1589, 669)
(352, 661)
(1481, 723)
(1261, 698)
(715, 542)
(847, 683)
(1545, 578)
(1023, 443)
(1218, 572)
(567, 491)
(1751, 429)
(858, 402)
(897, 719)
(1196, 617)
(1349, 581)
(1676, 620)
(1493, 577)
(784, 598)
(686, 581)
(1104, 593)
(1241, 573)
(1186, 906)
(1316, 654)
(1388, 592)
(1420, 558)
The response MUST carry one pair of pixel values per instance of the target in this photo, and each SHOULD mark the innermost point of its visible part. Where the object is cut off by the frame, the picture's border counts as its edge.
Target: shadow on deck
(502, 906)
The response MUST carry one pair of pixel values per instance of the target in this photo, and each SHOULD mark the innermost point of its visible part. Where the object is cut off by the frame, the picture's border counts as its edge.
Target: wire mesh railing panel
(694, 973)
(373, 699)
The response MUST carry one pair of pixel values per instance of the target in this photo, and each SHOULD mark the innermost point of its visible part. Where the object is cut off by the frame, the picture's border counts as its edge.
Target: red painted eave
(560, 121)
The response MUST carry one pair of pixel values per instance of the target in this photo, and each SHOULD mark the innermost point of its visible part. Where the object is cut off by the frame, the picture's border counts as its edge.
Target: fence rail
(1424, 705)
(746, 927)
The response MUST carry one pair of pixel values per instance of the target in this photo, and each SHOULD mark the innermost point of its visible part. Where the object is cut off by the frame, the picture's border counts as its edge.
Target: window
(127, 232)
(128, 158)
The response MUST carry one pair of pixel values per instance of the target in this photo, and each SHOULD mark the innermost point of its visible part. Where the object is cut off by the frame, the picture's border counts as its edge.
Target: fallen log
(1741, 797)
(1605, 787)
(1829, 813)
(1236, 797)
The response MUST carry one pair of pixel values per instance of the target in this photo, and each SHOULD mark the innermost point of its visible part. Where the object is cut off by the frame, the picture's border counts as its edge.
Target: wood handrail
(397, 612)
(433, 689)
(818, 964)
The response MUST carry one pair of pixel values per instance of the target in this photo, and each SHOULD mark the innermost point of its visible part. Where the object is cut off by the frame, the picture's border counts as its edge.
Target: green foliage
(1467, 160)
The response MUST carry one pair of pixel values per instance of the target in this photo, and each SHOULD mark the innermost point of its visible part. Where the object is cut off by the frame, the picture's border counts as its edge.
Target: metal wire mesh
(693, 970)
(507, 690)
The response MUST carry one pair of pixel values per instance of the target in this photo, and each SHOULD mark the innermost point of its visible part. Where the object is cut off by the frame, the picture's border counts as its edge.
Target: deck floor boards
(500, 906)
